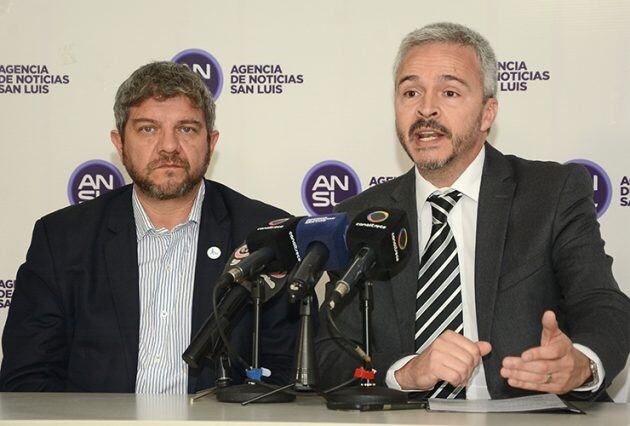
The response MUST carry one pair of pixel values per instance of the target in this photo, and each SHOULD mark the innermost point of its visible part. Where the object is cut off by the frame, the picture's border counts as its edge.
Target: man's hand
(451, 357)
(555, 366)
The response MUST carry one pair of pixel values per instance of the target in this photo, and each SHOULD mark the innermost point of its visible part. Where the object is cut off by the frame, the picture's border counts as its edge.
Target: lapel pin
(214, 252)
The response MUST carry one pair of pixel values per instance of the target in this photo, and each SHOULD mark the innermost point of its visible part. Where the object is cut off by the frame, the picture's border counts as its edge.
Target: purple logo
(92, 179)
(602, 187)
(327, 184)
(204, 64)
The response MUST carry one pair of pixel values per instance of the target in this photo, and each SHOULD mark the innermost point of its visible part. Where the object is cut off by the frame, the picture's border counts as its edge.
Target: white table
(110, 409)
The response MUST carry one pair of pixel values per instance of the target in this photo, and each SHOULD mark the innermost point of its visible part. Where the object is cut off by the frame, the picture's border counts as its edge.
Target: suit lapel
(495, 201)
(214, 231)
(121, 258)
(403, 285)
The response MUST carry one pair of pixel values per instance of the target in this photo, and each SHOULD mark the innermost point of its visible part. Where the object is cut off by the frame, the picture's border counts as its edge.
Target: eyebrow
(443, 77)
(190, 121)
(180, 122)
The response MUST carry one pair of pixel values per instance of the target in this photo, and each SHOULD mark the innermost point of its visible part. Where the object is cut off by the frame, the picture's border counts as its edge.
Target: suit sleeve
(34, 342)
(597, 312)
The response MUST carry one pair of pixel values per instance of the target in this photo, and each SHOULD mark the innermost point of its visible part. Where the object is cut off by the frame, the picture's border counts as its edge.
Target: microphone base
(249, 391)
(364, 398)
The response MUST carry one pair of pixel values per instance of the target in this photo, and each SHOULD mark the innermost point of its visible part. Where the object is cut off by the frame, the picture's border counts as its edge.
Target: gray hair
(447, 32)
(162, 80)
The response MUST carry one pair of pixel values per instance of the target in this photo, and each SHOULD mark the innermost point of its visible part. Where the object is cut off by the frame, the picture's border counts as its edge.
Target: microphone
(272, 247)
(378, 239)
(207, 341)
(322, 245)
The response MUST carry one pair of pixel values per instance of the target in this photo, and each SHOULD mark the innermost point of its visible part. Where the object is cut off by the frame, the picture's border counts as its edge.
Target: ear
(490, 109)
(213, 138)
(117, 142)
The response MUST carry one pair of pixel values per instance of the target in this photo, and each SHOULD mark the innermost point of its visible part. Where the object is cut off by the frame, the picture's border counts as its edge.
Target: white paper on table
(543, 402)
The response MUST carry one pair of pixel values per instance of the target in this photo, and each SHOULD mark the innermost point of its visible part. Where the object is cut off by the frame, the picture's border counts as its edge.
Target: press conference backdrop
(304, 98)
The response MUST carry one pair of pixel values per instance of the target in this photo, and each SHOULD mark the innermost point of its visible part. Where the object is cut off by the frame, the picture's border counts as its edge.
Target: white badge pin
(214, 252)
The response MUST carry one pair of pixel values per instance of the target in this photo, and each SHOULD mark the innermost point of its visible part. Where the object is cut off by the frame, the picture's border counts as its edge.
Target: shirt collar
(468, 183)
(143, 223)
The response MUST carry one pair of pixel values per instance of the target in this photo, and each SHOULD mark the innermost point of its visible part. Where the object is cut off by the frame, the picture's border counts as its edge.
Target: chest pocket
(523, 271)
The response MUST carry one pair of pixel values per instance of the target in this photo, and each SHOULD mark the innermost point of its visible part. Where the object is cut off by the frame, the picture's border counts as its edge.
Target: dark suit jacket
(73, 324)
(538, 247)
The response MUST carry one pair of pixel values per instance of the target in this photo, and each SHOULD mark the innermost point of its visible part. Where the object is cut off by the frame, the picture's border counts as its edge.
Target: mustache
(168, 159)
(422, 123)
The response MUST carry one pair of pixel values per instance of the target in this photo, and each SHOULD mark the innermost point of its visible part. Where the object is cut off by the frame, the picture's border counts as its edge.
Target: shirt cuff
(390, 378)
(600, 368)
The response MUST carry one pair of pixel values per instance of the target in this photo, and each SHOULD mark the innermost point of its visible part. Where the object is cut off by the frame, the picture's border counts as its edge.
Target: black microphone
(322, 245)
(272, 247)
(207, 341)
(378, 240)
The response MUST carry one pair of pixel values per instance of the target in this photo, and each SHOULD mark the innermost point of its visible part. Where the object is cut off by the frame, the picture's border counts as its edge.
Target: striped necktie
(439, 298)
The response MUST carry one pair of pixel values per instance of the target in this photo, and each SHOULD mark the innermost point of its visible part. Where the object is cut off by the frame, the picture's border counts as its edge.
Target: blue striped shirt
(166, 266)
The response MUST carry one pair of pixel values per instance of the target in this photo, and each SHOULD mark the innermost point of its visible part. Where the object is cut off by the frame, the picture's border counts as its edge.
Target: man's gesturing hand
(555, 366)
(451, 357)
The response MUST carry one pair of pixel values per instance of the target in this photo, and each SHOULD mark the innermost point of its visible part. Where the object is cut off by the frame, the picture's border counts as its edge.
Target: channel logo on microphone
(91, 179)
(206, 66)
(602, 187)
(378, 216)
(327, 184)
(402, 239)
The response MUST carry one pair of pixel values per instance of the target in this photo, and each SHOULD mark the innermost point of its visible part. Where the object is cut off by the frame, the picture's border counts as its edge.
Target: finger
(537, 367)
(484, 348)
(549, 388)
(452, 348)
(452, 361)
(464, 343)
(452, 372)
(548, 352)
(524, 376)
(550, 327)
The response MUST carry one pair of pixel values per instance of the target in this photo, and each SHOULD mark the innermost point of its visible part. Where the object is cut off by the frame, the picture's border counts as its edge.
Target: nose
(168, 141)
(427, 106)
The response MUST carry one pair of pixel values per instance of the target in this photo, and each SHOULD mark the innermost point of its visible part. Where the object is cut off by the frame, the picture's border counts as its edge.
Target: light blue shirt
(166, 266)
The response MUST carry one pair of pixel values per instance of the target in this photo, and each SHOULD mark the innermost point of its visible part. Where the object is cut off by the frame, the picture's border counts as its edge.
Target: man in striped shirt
(112, 289)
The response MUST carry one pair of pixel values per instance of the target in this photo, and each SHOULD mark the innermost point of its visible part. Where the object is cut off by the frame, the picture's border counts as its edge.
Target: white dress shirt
(166, 267)
(463, 222)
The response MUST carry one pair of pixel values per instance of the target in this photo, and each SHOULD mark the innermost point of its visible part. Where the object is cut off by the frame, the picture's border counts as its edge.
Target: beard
(461, 142)
(169, 189)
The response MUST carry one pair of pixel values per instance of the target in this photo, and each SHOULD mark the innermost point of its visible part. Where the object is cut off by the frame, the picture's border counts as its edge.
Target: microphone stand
(223, 379)
(305, 370)
(253, 388)
(367, 395)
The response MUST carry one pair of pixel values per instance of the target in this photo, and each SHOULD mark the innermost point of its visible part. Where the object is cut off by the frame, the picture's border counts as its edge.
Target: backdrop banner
(304, 95)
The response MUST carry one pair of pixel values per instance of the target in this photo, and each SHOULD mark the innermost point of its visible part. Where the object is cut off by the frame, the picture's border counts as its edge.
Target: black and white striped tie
(439, 298)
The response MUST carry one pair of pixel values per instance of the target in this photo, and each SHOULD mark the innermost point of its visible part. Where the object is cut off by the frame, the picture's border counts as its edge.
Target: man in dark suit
(508, 290)
(112, 289)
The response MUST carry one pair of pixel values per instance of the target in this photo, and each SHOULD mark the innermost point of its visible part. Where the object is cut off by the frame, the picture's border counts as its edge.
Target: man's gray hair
(447, 32)
(162, 80)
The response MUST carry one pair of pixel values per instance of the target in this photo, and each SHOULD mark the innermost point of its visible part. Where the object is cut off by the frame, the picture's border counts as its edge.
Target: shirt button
(164, 314)
(168, 268)
(156, 359)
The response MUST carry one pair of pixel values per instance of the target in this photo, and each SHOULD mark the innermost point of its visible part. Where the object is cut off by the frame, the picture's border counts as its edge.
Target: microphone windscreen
(274, 280)
(330, 230)
(386, 231)
(279, 235)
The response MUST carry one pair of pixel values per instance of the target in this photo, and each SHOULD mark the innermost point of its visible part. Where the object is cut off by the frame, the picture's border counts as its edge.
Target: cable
(350, 345)
(231, 351)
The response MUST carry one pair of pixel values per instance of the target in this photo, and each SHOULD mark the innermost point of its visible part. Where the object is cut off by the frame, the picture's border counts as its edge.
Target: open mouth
(427, 135)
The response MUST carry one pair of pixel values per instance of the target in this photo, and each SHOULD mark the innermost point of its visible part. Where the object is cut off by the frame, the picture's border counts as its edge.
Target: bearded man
(509, 290)
(113, 289)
